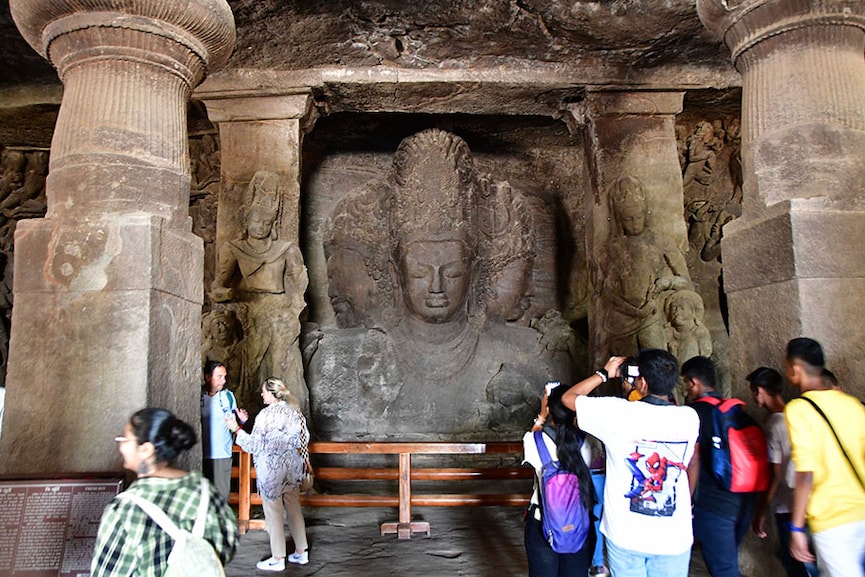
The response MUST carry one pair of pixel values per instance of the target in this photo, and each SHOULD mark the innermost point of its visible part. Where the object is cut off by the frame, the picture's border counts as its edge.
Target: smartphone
(552, 385)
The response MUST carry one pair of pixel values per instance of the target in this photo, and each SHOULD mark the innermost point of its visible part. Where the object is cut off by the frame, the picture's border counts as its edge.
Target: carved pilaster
(108, 288)
(261, 138)
(630, 135)
(260, 133)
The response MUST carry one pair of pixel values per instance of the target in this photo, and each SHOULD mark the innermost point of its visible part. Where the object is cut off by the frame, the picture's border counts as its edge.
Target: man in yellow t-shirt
(828, 487)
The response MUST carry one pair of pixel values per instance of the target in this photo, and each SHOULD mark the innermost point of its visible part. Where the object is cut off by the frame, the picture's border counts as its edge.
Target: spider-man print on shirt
(655, 466)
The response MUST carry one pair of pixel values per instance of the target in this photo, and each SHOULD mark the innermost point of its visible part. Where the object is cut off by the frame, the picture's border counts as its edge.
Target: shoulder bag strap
(157, 514)
(709, 400)
(167, 525)
(304, 441)
(834, 434)
(546, 458)
(543, 452)
(201, 517)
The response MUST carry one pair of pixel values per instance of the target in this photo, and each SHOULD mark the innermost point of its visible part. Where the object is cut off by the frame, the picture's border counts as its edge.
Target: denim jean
(544, 562)
(719, 539)
(599, 479)
(628, 563)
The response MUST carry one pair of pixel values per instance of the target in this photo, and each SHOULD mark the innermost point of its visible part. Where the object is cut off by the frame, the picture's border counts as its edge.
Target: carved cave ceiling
(650, 43)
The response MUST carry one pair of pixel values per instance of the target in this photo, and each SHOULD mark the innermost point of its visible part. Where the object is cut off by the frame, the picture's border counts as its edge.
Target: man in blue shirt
(216, 439)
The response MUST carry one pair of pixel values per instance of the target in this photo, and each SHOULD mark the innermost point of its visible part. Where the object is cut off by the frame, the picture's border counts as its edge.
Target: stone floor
(345, 542)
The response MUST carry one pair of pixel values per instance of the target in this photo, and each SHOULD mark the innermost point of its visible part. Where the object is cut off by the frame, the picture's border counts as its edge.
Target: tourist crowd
(663, 487)
(646, 469)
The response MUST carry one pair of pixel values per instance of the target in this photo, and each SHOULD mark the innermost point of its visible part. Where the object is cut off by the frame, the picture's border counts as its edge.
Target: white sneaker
(271, 564)
(299, 558)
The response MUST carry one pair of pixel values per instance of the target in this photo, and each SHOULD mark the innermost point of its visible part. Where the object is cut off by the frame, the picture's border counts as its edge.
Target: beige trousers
(274, 520)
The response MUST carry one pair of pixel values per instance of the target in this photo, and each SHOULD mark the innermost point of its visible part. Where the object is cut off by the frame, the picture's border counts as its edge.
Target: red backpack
(740, 457)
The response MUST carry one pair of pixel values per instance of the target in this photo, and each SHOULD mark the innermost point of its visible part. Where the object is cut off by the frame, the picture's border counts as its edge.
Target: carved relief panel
(710, 156)
(429, 270)
(22, 195)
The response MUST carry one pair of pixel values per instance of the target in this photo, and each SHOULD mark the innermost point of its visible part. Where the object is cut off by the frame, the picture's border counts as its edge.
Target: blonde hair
(277, 388)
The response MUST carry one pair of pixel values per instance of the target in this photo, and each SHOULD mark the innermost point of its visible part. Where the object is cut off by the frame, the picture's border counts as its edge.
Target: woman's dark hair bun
(181, 435)
(170, 436)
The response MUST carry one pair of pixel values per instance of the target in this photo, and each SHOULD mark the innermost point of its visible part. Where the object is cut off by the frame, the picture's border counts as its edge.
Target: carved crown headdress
(434, 191)
(627, 191)
(359, 223)
(265, 193)
(505, 223)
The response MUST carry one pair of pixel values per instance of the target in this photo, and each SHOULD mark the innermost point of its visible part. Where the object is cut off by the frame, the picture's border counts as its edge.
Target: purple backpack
(565, 521)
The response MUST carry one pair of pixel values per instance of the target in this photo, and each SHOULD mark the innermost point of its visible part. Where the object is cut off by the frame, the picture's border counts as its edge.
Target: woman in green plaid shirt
(129, 542)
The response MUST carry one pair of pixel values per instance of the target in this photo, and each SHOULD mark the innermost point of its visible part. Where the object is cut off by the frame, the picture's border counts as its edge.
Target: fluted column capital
(195, 35)
(744, 24)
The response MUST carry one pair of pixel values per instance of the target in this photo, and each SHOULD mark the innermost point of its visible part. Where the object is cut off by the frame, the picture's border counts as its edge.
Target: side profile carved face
(351, 291)
(512, 291)
(435, 279)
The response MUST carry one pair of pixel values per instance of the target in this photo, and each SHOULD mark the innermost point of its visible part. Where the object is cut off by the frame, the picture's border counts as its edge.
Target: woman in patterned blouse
(128, 542)
(277, 443)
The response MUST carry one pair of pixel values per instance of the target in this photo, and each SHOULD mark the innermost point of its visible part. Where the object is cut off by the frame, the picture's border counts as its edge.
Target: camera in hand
(552, 385)
(629, 371)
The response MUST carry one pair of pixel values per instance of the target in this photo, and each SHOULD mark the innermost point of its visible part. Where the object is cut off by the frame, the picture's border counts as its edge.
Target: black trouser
(544, 562)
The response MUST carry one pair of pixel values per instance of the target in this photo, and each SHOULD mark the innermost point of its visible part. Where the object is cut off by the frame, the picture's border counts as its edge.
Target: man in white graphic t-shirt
(650, 446)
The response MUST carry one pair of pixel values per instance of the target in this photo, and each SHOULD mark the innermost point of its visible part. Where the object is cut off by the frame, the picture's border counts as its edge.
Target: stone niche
(446, 268)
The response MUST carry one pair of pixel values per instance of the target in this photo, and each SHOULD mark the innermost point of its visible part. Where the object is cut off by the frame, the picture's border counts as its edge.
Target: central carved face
(259, 224)
(436, 278)
(632, 218)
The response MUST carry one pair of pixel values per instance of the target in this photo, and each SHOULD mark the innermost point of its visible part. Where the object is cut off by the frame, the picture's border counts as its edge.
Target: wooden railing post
(405, 527)
(244, 487)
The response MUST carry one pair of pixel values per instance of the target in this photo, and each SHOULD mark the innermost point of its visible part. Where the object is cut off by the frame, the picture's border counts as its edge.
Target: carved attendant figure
(272, 282)
(687, 335)
(640, 267)
(220, 332)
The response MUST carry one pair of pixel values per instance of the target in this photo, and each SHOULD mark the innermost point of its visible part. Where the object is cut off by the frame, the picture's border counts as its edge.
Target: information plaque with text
(48, 527)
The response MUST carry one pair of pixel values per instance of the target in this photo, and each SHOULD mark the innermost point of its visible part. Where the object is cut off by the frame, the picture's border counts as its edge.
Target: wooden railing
(405, 474)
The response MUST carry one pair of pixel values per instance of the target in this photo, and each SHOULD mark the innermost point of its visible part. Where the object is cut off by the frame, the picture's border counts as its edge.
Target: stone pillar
(630, 134)
(261, 133)
(793, 264)
(108, 287)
